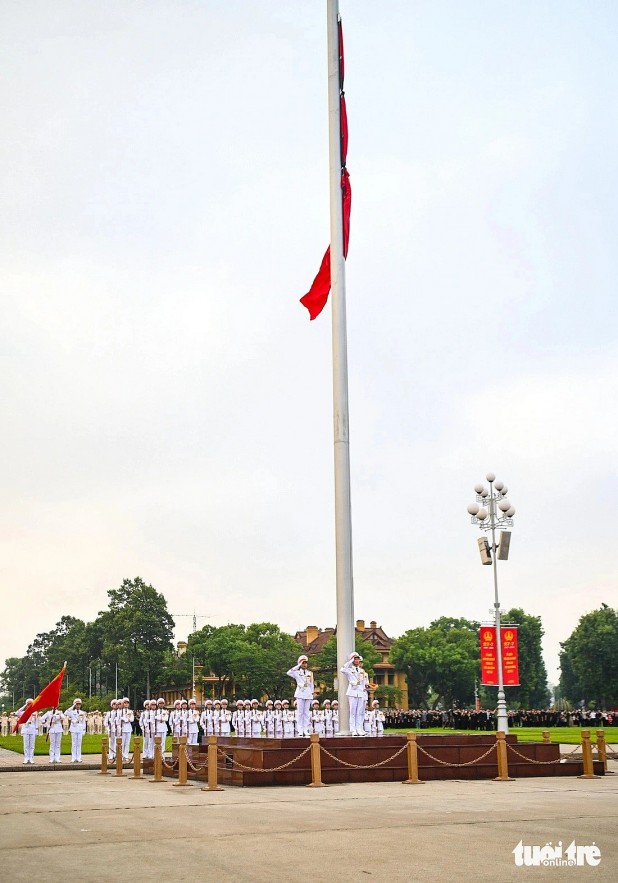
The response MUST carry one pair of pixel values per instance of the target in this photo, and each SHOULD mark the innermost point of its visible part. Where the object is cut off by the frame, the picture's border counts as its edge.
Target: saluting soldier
(77, 728)
(358, 684)
(303, 694)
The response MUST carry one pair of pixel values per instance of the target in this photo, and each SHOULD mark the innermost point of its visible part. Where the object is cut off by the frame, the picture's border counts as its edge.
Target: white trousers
(357, 713)
(54, 746)
(76, 745)
(29, 745)
(192, 737)
(303, 720)
(126, 743)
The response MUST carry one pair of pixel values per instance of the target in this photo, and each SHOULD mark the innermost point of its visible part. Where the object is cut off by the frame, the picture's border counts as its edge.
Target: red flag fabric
(317, 296)
(49, 697)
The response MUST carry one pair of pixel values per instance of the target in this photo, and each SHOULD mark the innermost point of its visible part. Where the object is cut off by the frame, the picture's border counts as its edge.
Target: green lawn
(566, 735)
(90, 745)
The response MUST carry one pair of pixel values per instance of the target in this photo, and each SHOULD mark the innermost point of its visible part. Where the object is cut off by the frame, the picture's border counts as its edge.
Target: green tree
(137, 632)
(533, 692)
(589, 659)
(442, 659)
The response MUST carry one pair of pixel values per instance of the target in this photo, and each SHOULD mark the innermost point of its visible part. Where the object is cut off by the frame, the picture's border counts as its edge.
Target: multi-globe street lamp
(492, 511)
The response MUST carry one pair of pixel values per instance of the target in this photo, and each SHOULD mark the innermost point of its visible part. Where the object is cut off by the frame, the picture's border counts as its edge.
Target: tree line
(128, 650)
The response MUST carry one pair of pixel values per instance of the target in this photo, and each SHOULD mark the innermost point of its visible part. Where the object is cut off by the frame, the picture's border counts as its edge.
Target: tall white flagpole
(343, 509)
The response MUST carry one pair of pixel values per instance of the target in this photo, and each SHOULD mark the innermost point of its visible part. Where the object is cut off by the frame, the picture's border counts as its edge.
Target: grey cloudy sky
(166, 404)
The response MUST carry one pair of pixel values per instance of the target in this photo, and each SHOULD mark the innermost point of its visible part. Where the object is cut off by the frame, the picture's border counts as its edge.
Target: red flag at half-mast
(316, 297)
(49, 697)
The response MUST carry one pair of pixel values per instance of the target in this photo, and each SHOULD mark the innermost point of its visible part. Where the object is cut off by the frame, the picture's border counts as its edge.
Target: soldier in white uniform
(175, 719)
(278, 719)
(4, 723)
(77, 727)
(225, 718)
(238, 719)
(256, 719)
(335, 708)
(377, 719)
(303, 694)
(161, 719)
(328, 719)
(52, 719)
(317, 718)
(127, 717)
(193, 719)
(216, 717)
(109, 723)
(269, 719)
(358, 684)
(28, 731)
(206, 718)
(247, 714)
(147, 726)
(288, 720)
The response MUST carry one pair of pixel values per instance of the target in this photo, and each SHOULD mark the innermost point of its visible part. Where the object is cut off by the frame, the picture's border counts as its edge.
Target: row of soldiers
(277, 719)
(94, 723)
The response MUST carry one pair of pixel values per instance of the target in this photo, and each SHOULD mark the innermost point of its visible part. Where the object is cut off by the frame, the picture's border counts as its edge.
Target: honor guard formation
(245, 718)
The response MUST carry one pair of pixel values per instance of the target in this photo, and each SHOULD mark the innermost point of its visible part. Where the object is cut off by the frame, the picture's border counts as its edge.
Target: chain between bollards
(213, 784)
(412, 754)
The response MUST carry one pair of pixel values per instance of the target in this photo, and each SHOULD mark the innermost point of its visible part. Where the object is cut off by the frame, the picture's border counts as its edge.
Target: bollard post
(157, 764)
(503, 764)
(213, 784)
(412, 754)
(546, 737)
(182, 764)
(316, 766)
(119, 771)
(104, 755)
(137, 758)
(602, 752)
(587, 757)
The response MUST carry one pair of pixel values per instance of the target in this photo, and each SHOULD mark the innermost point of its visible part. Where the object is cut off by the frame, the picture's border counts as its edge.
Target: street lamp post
(491, 511)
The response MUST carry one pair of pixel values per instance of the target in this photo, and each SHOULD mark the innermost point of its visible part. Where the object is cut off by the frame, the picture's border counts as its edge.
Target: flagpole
(343, 509)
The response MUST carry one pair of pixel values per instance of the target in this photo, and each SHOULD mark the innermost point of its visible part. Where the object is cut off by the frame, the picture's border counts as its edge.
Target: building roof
(312, 639)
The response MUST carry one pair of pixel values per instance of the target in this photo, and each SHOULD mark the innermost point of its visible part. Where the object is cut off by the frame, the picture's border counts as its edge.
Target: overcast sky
(166, 403)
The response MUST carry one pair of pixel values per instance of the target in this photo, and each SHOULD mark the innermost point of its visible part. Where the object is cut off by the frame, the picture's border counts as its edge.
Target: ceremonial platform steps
(262, 755)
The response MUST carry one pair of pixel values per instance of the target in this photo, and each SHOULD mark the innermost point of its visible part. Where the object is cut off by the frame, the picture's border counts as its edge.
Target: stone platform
(263, 756)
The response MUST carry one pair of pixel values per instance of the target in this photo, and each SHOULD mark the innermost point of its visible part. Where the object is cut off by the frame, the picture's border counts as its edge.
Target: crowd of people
(484, 719)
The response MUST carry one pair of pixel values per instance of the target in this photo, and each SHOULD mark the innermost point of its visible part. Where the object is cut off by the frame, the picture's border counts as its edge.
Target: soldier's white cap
(286, 702)
(354, 655)
(153, 701)
(302, 659)
(247, 702)
(315, 702)
(238, 702)
(335, 702)
(146, 703)
(161, 699)
(125, 699)
(208, 702)
(176, 702)
(277, 701)
(269, 702)
(192, 701)
(375, 702)
(77, 699)
(217, 702)
(224, 702)
(326, 702)
(183, 702)
(114, 702)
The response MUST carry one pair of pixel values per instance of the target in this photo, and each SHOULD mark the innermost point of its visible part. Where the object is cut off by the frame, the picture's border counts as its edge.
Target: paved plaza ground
(78, 825)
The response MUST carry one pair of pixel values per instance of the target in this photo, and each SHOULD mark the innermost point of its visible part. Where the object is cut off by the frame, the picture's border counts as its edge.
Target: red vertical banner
(489, 656)
(510, 659)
